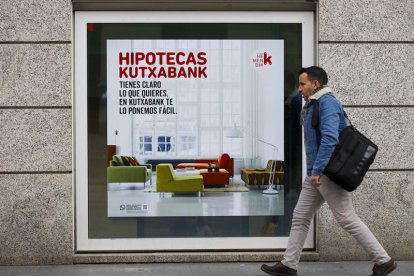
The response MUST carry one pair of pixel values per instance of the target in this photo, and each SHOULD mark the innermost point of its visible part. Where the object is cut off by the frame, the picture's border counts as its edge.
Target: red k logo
(267, 59)
(262, 59)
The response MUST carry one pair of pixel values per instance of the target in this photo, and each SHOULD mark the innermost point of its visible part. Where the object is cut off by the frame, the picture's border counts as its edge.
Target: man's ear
(315, 84)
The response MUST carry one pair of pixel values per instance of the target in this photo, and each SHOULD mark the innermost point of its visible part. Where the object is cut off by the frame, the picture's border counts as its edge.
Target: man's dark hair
(315, 73)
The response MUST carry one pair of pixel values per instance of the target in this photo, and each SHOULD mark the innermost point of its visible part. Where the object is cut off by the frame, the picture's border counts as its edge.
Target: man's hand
(316, 180)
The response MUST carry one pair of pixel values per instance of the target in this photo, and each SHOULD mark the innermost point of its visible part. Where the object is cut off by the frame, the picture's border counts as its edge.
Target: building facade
(367, 48)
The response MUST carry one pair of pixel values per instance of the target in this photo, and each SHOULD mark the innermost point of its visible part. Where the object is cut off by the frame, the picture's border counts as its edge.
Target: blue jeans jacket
(331, 121)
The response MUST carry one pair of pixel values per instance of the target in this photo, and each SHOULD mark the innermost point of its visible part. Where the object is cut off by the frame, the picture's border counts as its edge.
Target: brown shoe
(279, 269)
(384, 269)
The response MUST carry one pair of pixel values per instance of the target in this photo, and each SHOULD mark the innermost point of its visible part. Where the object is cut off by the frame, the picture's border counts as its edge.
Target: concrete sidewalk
(199, 269)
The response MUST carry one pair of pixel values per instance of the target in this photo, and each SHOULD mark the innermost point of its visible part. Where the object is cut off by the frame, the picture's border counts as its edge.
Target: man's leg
(340, 202)
(308, 203)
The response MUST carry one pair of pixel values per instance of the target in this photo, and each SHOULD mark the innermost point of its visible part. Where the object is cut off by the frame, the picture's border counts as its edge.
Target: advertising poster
(176, 108)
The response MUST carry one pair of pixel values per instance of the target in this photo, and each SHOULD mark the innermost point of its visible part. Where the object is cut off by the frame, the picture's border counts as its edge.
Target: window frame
(81, 18)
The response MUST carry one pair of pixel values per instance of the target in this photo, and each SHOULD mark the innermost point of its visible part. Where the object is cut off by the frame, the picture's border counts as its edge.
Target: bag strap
(347, 118)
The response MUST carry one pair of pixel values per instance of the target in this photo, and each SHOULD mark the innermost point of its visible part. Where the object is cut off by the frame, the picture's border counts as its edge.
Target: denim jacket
(331, 121)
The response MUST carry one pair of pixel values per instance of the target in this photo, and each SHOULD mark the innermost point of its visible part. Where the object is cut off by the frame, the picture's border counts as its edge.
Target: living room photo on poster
(195, 127)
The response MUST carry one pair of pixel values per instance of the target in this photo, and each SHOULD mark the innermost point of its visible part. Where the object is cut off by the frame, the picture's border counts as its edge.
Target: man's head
(311, 78)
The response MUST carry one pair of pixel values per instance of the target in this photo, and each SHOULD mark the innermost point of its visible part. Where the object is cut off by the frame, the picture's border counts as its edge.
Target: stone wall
(367, 48)
(36, 224)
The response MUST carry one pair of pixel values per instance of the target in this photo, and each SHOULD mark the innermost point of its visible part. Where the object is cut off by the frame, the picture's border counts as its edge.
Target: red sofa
(224, 162)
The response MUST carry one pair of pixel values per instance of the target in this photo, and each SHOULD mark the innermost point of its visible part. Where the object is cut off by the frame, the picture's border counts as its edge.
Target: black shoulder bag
(352, 157)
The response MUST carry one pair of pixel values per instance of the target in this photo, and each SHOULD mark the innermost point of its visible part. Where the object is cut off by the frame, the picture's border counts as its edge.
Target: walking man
(317, 188)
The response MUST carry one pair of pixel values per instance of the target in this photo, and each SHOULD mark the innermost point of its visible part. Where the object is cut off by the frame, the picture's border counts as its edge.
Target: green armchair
(169, 182)
(120, 172)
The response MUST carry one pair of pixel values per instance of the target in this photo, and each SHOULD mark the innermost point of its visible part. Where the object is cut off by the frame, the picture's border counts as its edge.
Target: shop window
(178, 120)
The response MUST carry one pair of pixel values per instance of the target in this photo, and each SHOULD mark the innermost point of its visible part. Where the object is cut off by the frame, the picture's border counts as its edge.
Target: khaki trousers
(340, 203)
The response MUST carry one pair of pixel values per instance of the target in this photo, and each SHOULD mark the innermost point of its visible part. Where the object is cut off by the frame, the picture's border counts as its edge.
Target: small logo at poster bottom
(133, 207)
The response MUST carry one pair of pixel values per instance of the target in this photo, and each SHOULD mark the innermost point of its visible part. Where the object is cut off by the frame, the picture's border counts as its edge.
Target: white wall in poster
(145, 79)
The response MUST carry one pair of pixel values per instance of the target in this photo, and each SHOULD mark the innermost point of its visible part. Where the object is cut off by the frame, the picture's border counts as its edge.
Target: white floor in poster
(130, 200)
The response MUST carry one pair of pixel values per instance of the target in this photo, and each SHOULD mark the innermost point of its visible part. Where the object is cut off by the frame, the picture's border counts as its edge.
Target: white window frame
(83, 242)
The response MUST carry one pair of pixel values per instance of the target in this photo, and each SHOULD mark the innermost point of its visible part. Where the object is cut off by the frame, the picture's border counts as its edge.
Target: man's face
(306, 86)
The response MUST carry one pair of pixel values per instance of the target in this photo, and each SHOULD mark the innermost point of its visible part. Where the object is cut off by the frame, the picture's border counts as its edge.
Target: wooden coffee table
(221, 177)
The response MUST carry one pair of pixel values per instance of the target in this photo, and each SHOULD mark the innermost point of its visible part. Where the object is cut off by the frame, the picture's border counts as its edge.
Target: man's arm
(330, 113)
